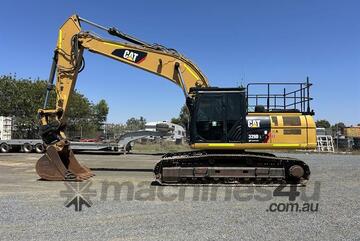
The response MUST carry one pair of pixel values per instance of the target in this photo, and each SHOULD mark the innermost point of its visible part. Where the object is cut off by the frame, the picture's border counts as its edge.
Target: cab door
(209, 118)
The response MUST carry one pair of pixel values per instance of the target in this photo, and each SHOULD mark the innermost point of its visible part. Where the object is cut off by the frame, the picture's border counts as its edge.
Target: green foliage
(184, 117)
(133, 124)
(338, 128)
(21, 98)
(80, 121)
(101, 111)
(113, 131)
(323, 124)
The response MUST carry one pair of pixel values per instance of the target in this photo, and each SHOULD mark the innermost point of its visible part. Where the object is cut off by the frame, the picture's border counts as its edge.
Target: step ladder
(325, 143)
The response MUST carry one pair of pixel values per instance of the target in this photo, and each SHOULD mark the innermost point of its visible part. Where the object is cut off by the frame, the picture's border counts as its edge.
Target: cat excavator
(223, 128)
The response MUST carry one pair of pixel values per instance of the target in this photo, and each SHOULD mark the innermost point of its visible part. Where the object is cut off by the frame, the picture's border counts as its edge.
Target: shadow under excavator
(118, 153)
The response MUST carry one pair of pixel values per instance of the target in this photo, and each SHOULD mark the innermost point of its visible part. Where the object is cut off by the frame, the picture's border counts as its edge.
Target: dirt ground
(123, 205)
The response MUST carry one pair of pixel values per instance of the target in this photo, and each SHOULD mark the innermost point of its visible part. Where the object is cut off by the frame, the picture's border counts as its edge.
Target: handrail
(300, 97)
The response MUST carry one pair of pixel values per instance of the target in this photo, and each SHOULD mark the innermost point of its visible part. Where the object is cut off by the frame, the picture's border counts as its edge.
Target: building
(5, 127)
(177, 131)
(353, 131)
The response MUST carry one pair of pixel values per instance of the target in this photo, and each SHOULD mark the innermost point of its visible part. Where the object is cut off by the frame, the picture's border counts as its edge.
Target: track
(204, 167)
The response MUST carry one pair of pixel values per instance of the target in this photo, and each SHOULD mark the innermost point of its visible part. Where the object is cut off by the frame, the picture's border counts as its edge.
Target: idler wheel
(296, 171)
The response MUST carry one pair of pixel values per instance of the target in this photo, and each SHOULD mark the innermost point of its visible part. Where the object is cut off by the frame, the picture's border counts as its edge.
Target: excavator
(225, 129)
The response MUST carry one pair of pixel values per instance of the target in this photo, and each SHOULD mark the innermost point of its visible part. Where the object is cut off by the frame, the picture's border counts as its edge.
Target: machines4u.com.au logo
(78, 194)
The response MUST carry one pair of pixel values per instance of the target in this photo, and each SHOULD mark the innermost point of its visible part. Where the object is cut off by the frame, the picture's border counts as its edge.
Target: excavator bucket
(61, 166)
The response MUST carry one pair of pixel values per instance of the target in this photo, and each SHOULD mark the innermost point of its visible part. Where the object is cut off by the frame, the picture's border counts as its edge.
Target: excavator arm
(68, 62)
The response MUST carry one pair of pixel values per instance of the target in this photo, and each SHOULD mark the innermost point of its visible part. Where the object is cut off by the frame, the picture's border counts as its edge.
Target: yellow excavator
(223, 124)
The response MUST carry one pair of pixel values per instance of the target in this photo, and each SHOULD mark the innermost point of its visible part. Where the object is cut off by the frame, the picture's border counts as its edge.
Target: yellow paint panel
(59, 45)
(286, 145)
(116, 45)
(221, 144)
(191, 72)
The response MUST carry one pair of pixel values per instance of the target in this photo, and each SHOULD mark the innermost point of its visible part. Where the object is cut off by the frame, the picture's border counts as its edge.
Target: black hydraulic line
(115, 32)
(93, 24)
(50, 84)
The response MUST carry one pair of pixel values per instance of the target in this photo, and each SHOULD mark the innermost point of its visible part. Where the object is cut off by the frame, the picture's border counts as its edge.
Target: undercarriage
(229, 167)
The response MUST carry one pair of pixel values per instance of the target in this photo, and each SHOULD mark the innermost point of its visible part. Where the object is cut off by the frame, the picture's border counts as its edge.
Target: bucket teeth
(82, 172)
(61, 166)
(69, 176)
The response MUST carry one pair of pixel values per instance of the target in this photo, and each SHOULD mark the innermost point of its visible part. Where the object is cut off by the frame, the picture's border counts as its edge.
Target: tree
(183, 118)
(80, 121)
(338, 128)
(323, 124)
(101, 111)
(133, 124)
(21, 98)
(115, 130)
(175, 120)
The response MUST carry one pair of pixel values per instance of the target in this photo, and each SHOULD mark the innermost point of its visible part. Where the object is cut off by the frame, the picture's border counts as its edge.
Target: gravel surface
(34, 210)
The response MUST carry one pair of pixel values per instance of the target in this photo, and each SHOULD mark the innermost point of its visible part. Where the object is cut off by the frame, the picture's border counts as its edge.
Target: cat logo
(253, 123)
(130, 55)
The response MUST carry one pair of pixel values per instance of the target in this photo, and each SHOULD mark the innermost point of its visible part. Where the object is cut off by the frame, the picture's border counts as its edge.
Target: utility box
(352, 131)
(5, 127)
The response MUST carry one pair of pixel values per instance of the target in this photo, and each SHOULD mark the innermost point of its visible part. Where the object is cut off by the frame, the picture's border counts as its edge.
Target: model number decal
(253, 136)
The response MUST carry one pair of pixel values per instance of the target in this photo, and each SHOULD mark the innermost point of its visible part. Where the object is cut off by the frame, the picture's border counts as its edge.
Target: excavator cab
(226, 123)
(217, 115)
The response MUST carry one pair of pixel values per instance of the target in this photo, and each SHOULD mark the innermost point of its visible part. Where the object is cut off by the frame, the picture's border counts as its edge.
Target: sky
(233, 42)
